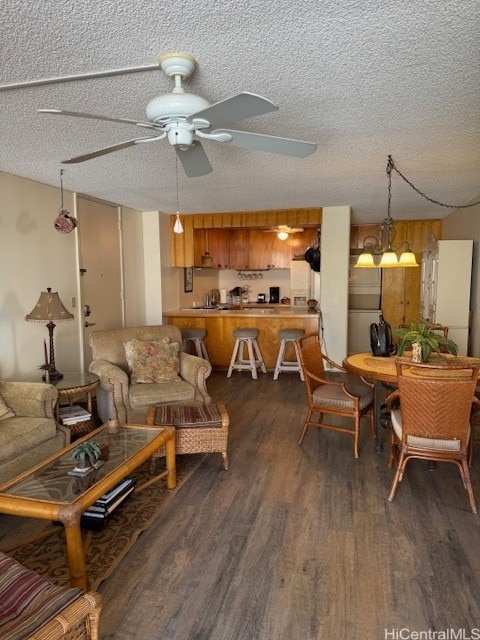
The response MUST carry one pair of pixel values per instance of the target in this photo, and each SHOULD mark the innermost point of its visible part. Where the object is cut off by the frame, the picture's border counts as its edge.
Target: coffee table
(49, 493)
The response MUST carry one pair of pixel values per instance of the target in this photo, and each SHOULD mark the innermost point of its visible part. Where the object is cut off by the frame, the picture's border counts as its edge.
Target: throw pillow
(152, 360)
(5, 411)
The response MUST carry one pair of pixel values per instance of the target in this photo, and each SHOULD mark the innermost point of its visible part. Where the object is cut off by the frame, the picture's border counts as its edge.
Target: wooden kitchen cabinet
(239, 240)
(216, 242)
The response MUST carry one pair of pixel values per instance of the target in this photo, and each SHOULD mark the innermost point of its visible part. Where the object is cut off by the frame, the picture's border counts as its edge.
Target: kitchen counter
(220, 324)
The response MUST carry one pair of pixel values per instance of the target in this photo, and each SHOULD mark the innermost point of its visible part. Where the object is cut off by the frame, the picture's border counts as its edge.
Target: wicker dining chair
(333, 391)
(431, 417)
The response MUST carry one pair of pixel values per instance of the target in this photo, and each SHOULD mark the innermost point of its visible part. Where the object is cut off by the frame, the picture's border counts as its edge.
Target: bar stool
(196, 336)
(246, 337)
(288, 335)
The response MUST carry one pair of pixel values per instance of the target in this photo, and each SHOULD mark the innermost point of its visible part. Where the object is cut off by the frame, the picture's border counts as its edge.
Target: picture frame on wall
(188, 279)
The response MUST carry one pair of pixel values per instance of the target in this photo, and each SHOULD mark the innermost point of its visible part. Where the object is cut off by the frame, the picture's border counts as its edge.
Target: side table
(71, 386)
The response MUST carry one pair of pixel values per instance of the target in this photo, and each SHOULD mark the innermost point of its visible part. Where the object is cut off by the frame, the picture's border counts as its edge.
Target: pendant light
(178, 226)
(383, 245)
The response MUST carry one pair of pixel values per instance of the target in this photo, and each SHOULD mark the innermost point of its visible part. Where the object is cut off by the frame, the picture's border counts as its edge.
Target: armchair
(333, 392)
(431, 417)
(118, 399)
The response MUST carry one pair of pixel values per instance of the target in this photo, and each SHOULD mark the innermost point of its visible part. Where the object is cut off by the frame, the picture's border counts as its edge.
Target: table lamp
(49, 308)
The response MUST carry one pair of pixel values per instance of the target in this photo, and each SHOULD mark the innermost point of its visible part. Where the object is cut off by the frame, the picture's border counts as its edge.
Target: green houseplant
(86, 454)
(428, 339)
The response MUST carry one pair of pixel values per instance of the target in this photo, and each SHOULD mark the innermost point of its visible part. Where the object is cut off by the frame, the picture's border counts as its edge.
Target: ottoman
(199, 428)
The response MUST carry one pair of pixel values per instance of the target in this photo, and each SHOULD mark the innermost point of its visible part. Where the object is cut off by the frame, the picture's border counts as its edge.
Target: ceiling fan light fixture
(282, 235)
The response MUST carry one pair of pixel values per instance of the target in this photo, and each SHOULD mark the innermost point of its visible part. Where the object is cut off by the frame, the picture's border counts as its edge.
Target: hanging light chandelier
(383, 245)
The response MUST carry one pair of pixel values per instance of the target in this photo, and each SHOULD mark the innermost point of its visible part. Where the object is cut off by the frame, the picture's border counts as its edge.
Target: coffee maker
(274, 295)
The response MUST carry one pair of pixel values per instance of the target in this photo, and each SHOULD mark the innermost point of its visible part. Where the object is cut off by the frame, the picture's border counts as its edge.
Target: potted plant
(428, 340)
(86, 454)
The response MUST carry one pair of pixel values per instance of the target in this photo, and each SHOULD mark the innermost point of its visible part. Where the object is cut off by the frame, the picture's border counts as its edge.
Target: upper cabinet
(215, 243)
(247, 248)
(226, 237)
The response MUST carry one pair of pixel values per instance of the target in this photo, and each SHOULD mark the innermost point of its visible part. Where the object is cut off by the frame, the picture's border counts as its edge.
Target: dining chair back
(431, 416)
(333, 391)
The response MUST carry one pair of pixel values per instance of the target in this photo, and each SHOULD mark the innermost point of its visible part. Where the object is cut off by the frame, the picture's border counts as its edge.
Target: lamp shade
(282, 235)
(389, 259)
(365, 261)
(49, 308)
(407, 259)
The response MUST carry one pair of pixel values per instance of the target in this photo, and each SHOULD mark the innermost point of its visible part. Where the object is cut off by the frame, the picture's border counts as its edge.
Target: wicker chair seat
(33, 608)
(335, 398)
(419, 441)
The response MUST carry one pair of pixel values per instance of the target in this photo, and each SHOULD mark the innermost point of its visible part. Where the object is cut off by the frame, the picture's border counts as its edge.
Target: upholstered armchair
(126, 396)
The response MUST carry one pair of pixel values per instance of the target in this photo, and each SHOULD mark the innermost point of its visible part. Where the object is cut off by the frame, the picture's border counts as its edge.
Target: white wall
(335, 248)
(34, 256)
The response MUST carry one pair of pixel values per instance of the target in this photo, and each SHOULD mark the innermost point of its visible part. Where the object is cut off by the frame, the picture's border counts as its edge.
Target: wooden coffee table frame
(69, 513)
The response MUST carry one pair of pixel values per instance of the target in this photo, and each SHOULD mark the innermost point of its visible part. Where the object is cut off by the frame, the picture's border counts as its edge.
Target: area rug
(47, 556)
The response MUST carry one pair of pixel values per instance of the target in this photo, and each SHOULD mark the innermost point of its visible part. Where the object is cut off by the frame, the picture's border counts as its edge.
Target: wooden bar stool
(246, 338)
(286, 336)
(197, 337)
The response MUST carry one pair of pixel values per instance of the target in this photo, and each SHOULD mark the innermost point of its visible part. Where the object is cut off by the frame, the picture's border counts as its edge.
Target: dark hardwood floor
(299, 543)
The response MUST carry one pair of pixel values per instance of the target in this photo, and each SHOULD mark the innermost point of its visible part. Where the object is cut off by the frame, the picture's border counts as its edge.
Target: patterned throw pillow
(5, 411)
(152, 360)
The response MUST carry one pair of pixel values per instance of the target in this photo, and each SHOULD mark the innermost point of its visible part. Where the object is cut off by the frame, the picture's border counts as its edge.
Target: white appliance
(364, 298)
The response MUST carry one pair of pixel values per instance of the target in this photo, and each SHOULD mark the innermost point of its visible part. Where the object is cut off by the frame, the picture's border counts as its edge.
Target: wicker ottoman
(199, 428)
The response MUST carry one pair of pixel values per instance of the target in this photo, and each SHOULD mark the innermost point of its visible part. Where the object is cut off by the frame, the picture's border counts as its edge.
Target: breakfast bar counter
(220, 324)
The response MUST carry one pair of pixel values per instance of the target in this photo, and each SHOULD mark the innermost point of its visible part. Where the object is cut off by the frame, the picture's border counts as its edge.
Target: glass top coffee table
(48, 492)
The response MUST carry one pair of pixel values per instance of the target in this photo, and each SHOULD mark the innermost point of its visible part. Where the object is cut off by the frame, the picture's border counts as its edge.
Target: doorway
(101, 268)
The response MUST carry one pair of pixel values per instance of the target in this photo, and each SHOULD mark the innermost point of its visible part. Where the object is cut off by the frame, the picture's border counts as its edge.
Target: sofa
(31, 434)
(121, 396)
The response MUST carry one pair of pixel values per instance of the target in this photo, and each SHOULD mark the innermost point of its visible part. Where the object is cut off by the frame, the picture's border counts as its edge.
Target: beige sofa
(32, 435)
(117, 398)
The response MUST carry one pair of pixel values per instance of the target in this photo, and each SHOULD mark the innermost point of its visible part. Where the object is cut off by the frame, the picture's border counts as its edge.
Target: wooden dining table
(383, 373)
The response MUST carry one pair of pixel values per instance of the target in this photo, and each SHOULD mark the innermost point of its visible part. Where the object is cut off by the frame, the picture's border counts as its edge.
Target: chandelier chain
(391, 165)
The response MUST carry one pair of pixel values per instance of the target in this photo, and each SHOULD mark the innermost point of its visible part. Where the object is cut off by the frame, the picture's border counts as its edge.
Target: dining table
(382, 372)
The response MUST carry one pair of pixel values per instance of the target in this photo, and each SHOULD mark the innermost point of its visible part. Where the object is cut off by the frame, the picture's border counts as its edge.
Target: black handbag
(381, 341)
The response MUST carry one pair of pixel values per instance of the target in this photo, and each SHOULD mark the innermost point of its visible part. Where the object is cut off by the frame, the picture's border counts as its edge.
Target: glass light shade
(282, 235)
(407, 259)
(365, 261)
(389, 259)
(178, 226)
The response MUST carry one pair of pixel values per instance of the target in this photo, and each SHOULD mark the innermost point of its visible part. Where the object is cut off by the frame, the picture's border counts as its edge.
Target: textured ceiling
(361, 78)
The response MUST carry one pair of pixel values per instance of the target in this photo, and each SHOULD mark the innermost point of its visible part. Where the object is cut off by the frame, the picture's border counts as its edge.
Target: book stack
(73, 413)
(95, 517)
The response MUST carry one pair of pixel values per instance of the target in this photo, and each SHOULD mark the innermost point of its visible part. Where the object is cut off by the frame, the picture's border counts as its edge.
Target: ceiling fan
(185, 119)
(283, 231)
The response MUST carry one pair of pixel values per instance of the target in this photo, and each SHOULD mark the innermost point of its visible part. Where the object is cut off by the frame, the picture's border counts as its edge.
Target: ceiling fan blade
(235, 108)
(271, 144)
(105, 150)
(194, 160)
(94, 116)
(80, 76)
